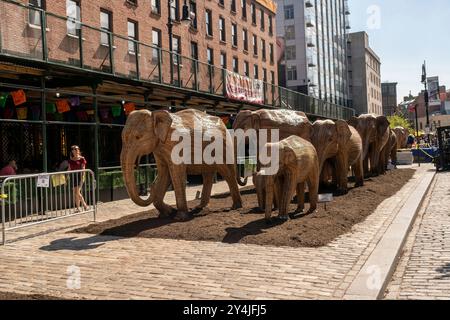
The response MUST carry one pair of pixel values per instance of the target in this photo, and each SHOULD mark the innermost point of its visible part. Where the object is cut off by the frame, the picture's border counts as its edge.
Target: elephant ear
(256, 121)
(240, 119)
(382, 124)
(353, 122)
(162, 121)
(344, 133)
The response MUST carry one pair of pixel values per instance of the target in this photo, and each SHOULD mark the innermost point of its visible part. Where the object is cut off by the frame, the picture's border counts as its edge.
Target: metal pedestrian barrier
(28, 200)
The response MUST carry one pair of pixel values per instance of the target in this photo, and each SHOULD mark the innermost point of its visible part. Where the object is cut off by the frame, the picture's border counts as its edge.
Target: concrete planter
(405, 157)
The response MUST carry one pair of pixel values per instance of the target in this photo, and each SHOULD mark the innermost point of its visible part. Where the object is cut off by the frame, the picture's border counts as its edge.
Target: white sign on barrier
(43, 181)
(328, 197)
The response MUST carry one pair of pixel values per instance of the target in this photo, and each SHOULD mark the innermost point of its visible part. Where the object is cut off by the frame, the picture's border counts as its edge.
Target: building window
(34, 16)
(156, 41)
(270, 25)
(255, 45)
(244, 9)
(176, 45)
(263, 24)
(264, 75)
(73, 11)
(255, 72)
(271, 53)
(133, 36)
(272, 77)
(208, 19)
(263, 49)
(234, 37)
(156, 6)
(105, 24)
(253, 12)
(235, 64)
(210, 56)
(221, 2)
(246, 69)
(291, 53)
(193, 6)
(289, 12)
(223, 60)
(194, 50)
(289, 32)
(175, 10)
(245, 39)
(233, 6)
(222, 28)
(292, 73)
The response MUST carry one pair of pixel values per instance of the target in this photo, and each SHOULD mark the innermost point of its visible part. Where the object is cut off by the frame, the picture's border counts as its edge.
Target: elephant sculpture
(392, 149)
(298, 165)
(350, 154)
(331, 142)
(374, 131)
(148, 132)
(288, 122)
(402, 137)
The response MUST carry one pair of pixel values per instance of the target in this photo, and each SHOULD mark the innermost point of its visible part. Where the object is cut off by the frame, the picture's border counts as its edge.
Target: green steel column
(44, 125)
(96, 141)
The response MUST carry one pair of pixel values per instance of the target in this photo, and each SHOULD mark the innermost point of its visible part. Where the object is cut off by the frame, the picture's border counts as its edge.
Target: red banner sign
(244, 89)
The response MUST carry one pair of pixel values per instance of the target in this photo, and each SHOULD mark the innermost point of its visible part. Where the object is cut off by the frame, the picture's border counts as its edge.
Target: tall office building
(364, 67)
(389, 95)
(314, 33)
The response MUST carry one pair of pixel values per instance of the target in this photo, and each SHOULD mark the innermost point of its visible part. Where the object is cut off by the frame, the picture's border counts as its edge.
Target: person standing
(77, 162)
(9, 170)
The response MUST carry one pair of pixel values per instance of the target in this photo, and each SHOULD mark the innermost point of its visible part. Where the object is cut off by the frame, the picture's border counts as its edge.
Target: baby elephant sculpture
(298, 165)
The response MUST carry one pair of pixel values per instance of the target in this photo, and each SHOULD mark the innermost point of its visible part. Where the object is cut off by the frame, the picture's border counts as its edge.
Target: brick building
(236, 35)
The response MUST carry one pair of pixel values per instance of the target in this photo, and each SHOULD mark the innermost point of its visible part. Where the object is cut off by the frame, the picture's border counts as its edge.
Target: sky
(404, 33)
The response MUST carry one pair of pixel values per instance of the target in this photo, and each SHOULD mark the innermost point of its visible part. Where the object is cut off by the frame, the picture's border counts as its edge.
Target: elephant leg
(206, 190)
(374, 161)
(313, 186)
(160, 187)
(178, 174)
(228, 172)
(288, 192)
(276, 193)
(366, 167)
(359, 172)
(301, 197)
(342, 172)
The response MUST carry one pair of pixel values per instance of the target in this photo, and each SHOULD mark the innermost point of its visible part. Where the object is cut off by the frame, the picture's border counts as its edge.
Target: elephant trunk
(128, 160)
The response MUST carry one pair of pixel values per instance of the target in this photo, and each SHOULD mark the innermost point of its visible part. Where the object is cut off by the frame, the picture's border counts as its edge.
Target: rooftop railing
(34, 34)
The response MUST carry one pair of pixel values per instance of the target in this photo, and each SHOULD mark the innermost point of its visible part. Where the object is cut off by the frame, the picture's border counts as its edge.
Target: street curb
(374, 276)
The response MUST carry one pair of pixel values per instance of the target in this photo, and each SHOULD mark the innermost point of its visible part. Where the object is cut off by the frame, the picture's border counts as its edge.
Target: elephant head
(366, 125)
(326, 138)
(144, 133)
(246, 120)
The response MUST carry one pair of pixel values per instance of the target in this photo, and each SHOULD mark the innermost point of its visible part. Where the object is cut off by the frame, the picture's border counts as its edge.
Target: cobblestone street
(62, 264)
(424, 269)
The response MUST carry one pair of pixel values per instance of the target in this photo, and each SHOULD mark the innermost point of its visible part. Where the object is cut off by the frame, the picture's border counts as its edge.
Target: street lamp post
(426, 94)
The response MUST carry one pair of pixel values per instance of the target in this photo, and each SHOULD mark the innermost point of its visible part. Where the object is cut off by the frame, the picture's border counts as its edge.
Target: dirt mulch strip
(219, 223)
(17, 296)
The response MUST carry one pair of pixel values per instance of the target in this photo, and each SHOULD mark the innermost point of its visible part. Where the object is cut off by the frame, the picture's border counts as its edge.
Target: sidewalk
(100, 267)
(424, 269)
